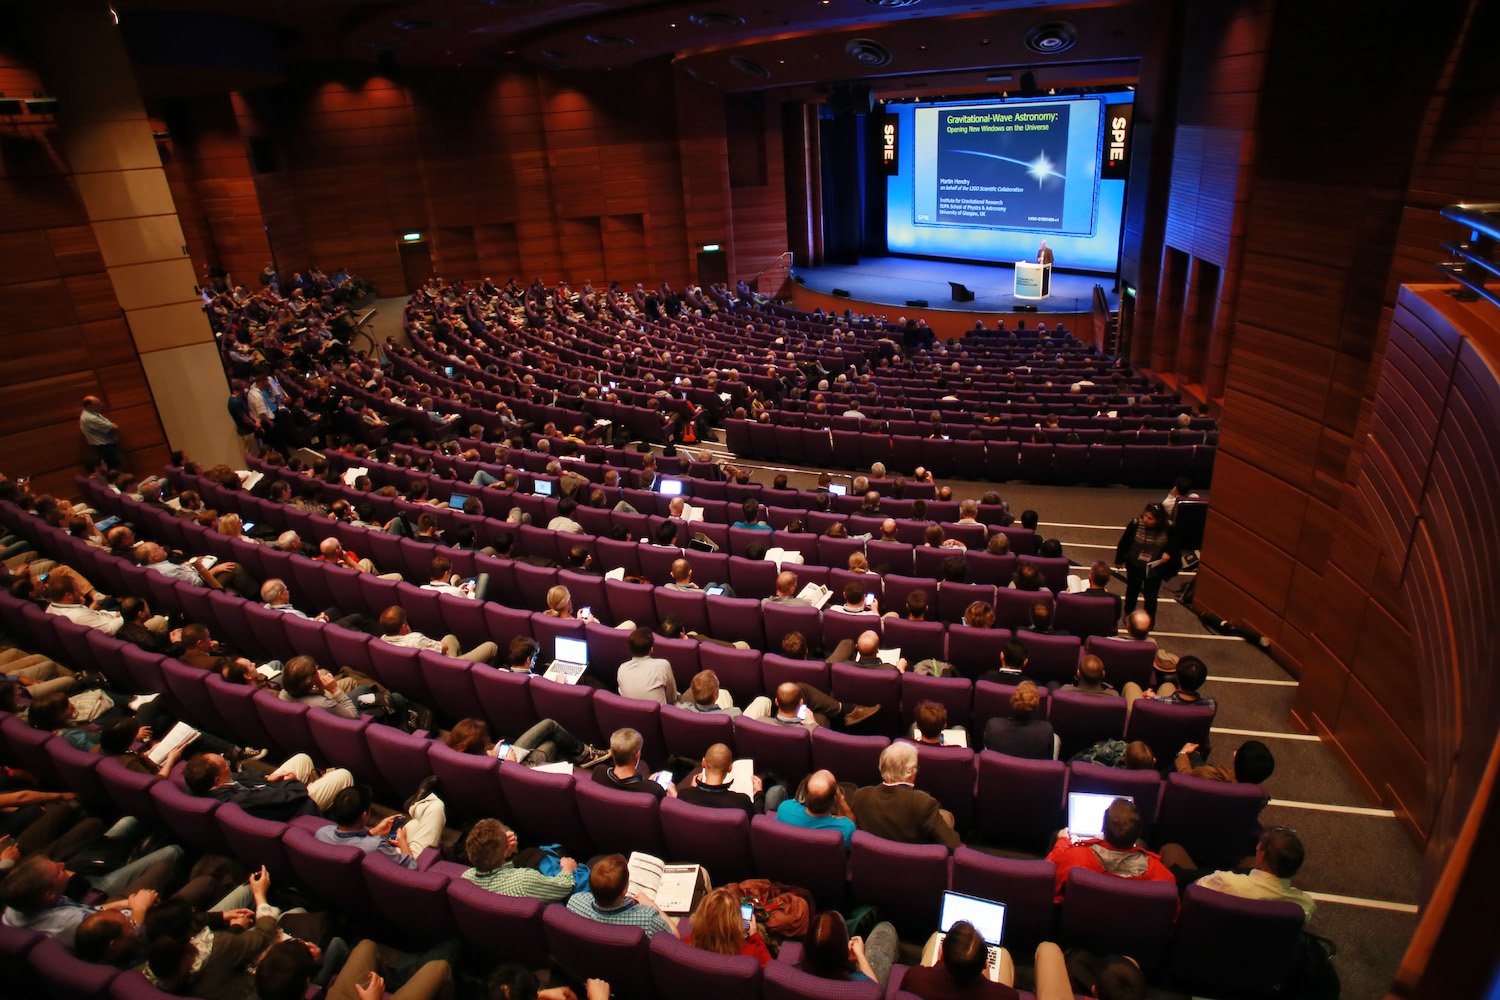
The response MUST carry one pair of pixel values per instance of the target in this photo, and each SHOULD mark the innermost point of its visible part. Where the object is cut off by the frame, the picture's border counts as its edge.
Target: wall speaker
(841, 293)
(919, 303)
(960, 292)
(9, 106)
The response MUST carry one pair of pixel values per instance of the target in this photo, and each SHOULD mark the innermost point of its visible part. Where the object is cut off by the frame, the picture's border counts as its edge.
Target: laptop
(987, 916)
(671, 487)
(457, 501)
(542, 487)
(838, 489)
(570, 659)
(1086, 814)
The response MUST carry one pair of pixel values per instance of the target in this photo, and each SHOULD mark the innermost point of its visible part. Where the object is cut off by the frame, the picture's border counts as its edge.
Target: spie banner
(1117, 128)
(889, 142)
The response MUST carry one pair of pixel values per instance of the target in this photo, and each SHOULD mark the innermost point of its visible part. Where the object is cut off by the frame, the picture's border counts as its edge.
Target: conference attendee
(644, 676)
(682, 576)
(546, 742)
(801, 704)
(64, 601)
(896, 810)
(857, 601)
(395, 630)
(786, 590)
(34, 892)
(829, 952)
(1044, 253)
(287, 969)
(197, 571)
(100, 433)
(1116, 853)
(929, 721)
(1090, 679)
(441, 580)
(1023, 734)
(1191, 675)
(711, 786)
(606, 901)
(627, 772)
(1278, 857)
(294, 789)
(1144, 550)
(718, 928)
(957, 968)
(564, 519)
(491, 847)
(820, 804)
(1252, 764)
(864, 651)
(1098, 585)
(277, 596)
(332, 551)
(1182, 489)
(350, 812)
(750, 516)
(705, 697)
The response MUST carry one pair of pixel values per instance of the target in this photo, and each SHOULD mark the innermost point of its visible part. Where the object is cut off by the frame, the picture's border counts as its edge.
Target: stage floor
(896, 280)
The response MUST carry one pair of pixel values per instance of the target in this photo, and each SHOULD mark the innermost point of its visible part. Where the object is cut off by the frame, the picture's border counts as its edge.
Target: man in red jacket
(1116, 854)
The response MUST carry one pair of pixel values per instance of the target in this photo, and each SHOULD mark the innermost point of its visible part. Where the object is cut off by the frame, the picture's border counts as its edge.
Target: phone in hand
(396, 828)
(663, 778)
(870, 600)
(747, 914)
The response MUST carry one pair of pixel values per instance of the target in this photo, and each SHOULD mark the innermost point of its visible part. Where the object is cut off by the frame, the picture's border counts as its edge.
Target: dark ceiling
(765, 44)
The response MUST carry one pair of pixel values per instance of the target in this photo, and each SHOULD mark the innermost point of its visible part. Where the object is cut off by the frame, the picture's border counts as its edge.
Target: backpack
(1313, 976)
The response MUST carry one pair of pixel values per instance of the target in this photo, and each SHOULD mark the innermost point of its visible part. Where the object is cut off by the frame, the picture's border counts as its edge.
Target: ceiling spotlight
(1051, 37)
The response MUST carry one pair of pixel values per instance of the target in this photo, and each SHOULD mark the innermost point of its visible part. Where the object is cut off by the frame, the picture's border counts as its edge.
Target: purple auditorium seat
(783, 751)
(890, 557)
(131, 790)
(718, 839)
(613, 712)
(1082, 720)
(1110, 915)
(972, 651)
(947, 774)
(191, 818)
(18, 975)
(308, 583)
(634, 602)
(656, 563)
(690, 606)
(1054, 572)
(689, 734)
(835, 552)
(784, 981)
(397, 668)
(1019, 802)
(1013, 607)
(470, 782)
(905, 880)
(544, 806)
(570, 704)
(424, 613)
(1124, 660)
(753, 578)
(838, 626)
(953, 693)
(236, 706)
(379, 594)
(993, 569)
(503, 928)
(415, 902)
(1035, 462)
(132, 985)
(1213, 954)
(620, 821)
(334, 872)
(450, 682)
(263, 630)
(534, 582)
(873, 447)
(1087, 616)
(187, 686)
(1025, 885)
(343, 586)
(738, 670)
(814, 859)
(1216, 822)
(681, 970)
(869, 686)
(917, 641)
(1050, 657)
(347, 648)
(286, 721)
(787, 444)
(144, 667)
(588, 949)
(851, 758)
(1107, 463)
(928, 562)
(616, 554)
(776, 670)
(1145, 787)
(898, 588)
(77, 771)
(734, 619)
(1165, 727)
(342, 741)
(781, 619)
(588, 592)
(400, 757)
(31, 747)
(107, 653)
(65, 977)
(608, 648)
(817, 448)
(503, 698)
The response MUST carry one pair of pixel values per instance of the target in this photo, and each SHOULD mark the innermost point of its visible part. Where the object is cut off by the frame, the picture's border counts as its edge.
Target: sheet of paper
(742, 776)
(891, 656)
(143, 699)
(561, 767)
(618, 573)
(179, 735)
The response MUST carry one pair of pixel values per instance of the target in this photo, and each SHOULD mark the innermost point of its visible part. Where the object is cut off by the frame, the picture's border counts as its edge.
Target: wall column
(107, 140)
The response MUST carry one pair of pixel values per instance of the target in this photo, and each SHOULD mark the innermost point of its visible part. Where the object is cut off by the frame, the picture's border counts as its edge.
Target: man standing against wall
(100, 433)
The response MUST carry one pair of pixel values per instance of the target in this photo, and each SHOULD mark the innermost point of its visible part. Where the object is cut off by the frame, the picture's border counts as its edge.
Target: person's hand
(260, 885)
(140, 902)
(672, 791)
(567, 865)
(383, 828)
(757, 785)
(556, 993)
(901, 664)
(241, 918)
(510, 841)
(857, 948)
(371, 988)
(597, 989)
(226, 567)
(9, 851)
(1189, 748)
(175, 635)
(143, 734)
(322, 617)
(281, 776)
(314, 951)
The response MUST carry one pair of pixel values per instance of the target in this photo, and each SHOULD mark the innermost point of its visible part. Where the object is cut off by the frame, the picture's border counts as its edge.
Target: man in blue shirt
(34, 900)
(351, 827)
(824, 807)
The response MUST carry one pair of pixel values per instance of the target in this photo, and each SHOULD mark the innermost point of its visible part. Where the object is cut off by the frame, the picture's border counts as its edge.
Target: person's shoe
(248, 754)
(590, 756)
(859, 713)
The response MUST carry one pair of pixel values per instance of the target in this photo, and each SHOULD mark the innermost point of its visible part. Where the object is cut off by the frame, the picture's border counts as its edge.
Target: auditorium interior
(468, 296)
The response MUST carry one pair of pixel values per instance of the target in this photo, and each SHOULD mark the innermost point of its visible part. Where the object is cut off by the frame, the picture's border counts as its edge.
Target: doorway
(416, 263)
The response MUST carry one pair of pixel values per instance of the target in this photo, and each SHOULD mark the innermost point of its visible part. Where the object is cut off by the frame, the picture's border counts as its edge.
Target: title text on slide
(1000, 121)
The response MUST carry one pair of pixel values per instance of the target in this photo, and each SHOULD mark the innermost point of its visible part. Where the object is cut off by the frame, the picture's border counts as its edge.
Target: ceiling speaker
(1051, 37)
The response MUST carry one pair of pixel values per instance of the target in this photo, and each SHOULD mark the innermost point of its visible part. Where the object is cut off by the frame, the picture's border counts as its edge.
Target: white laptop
(542, 487)
(671, 487)
(838, 489)
(570, 659)
(1086, 814)
(987, 916)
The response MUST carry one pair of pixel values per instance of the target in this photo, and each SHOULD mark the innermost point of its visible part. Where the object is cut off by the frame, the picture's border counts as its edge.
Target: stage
(894, 281)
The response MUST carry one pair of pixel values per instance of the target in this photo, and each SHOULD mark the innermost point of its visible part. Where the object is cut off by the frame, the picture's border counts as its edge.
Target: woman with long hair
(719, 928)
(1145, 551)
(830, 953)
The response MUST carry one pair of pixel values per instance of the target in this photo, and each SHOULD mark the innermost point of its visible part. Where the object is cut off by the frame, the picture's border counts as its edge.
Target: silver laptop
(671, 487)
(987, 916)
(570, 658)
(1086, 814)
(542, 487)
(838, 489)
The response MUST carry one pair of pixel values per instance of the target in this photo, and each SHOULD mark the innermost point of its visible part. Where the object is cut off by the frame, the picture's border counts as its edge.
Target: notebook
(457, 501)
(542, 487)
(838, 489)
(1086, 814)
(987, 916)
(671, 487)
(570, 659)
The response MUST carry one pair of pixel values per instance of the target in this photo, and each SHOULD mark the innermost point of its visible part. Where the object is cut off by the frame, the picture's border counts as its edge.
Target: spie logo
(1117, 129)
(888, 145)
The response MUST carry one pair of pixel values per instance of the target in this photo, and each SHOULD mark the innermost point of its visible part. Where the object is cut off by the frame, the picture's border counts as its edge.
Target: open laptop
(541, 487)
(570, 658)
(1086, 814)
(838, 489)
(987, 916)
(457, 500)
(671, 487)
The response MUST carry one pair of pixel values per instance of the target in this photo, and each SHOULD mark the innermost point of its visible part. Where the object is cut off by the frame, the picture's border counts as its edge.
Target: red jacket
(1067, 856)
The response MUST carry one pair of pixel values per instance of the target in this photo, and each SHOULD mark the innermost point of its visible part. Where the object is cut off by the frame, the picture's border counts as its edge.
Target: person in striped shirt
(491, 847)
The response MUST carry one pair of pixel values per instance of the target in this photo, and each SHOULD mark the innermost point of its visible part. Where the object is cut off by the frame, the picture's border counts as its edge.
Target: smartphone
(747, 914)
(802, 712)
(869, 600)
(396, 828)
(713, 590)
(248, 525)
(585, 613)
(663, 778)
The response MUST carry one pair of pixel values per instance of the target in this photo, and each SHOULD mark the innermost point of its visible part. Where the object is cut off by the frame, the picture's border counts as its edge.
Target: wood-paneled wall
(62, 333)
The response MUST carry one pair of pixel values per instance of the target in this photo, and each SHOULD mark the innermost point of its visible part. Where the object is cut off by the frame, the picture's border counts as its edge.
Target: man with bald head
(786, 590)
(888, 530)
(711, 786)
(864, 652)
(100, 433)
(804, 705)
(1090, 679)
(821, 804)
(682, 576)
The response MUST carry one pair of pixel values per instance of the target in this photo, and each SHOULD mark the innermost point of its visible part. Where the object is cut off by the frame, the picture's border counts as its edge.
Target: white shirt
(414, 640)
(449, 589)
(108, 622)
(1259, 884)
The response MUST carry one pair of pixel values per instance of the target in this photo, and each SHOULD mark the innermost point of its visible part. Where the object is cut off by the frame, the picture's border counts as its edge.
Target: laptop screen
(987, 916)
(457, 501)
(671, 487)
(1086, 813)
(838, 489)
(571, 650)
(542, 487)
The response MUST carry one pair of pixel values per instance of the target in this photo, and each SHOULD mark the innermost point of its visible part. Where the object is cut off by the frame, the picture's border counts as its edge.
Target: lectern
(1033, 280)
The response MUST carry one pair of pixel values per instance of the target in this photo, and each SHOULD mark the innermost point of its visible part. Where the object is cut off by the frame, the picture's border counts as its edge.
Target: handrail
(1474, 263)
(786, 255)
